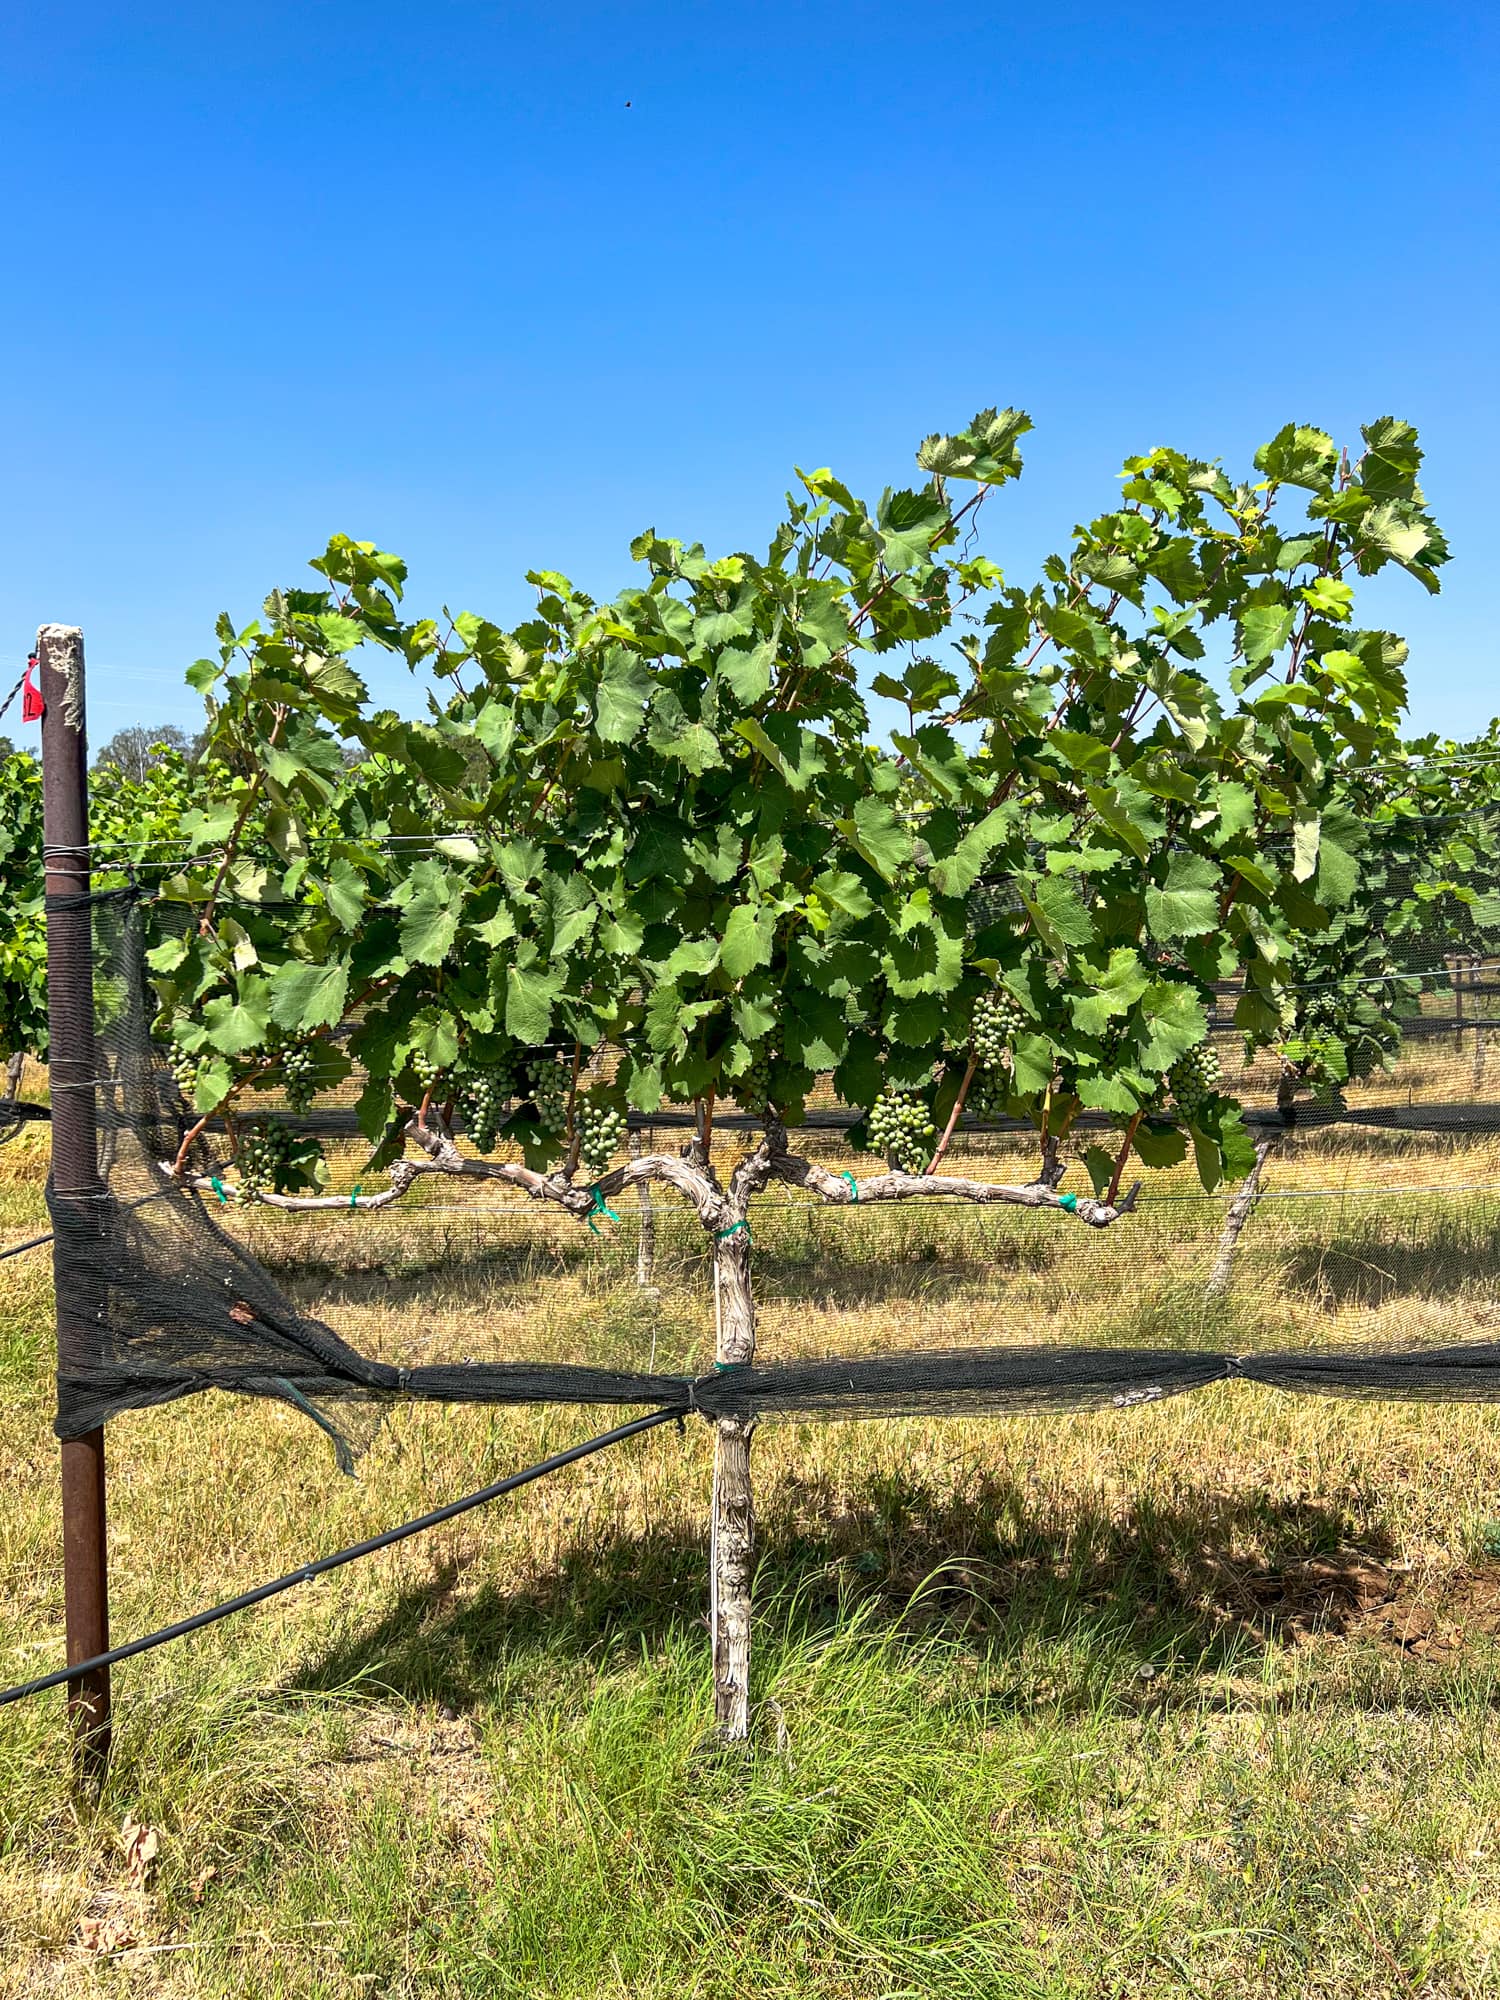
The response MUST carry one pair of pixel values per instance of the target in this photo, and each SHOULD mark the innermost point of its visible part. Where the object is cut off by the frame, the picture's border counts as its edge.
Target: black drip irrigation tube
(125, 1208)
(15, 1249)
(324, 1564)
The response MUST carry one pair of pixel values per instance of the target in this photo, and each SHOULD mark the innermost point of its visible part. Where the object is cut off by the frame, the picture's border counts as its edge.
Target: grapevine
(670, 823)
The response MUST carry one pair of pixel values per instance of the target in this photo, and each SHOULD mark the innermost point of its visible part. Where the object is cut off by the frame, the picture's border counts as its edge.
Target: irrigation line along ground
(324, 1564)
(36, 1242)
(15, 1249)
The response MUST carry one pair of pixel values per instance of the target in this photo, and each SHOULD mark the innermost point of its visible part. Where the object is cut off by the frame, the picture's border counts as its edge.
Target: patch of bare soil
(1415, 1615)
(432, 1755)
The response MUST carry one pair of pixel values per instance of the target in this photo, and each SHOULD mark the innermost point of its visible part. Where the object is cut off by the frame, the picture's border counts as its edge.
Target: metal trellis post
(75, 1166)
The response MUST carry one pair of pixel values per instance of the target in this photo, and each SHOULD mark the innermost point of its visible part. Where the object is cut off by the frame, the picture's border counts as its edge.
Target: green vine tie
(600, 1207)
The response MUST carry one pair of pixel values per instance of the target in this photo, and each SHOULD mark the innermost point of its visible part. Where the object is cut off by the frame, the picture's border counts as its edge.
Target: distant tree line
(138, 750)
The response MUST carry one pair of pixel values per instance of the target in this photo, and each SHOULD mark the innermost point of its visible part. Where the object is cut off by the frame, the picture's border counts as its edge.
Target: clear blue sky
(417, 273)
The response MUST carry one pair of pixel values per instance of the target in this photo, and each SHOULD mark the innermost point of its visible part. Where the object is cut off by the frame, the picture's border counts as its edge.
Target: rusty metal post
(75, 1164)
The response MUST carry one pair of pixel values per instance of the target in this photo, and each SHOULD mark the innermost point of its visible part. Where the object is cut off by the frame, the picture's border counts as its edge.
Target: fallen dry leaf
(103, 1934)
(140, 1845)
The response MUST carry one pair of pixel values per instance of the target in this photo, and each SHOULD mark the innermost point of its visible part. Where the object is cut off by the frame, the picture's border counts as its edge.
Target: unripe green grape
(987, 1095)
(753, 1089)
(549, 1086)
(998, 1018)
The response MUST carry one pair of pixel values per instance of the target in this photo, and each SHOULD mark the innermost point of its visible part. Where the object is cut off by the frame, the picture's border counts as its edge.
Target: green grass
(1193, 1700)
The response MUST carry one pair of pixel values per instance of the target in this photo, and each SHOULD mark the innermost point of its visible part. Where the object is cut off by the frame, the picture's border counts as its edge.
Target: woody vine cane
(75, 1183)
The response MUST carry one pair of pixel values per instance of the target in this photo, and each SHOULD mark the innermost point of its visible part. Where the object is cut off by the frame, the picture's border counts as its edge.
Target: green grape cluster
(262, 1155)
(998, 1018)
(1195, 1079)
(299, 1069)
(483, 1095)
(549, 1093)
(1324, 1020)
(987, 1094)
(600, 1130)
(1324, 1010)
(753, 1089)
(186, 1069)
(425, 1070)
(901, 1127)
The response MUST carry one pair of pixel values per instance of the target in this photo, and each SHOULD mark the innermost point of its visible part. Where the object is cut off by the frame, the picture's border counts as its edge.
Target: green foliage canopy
(661, 825)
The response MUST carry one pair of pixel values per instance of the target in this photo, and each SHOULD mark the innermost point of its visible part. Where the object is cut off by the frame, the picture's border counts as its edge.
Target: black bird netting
(1362, 1258)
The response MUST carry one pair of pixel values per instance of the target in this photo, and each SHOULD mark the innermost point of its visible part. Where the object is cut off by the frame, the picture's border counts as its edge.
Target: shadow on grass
(987, 1573)
(360, 1270)
(924, 1267)
(406, 1273)
(1454, 1260)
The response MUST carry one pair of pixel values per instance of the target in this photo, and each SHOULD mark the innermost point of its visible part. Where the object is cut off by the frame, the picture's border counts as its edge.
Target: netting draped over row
(162, 1296)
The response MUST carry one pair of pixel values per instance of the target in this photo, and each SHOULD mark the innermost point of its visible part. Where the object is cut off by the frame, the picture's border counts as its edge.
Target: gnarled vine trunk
(733, 1523)
(1247, 1199)
(15, 1069)
(645, 1247)
(1238, 1214)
